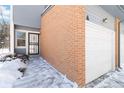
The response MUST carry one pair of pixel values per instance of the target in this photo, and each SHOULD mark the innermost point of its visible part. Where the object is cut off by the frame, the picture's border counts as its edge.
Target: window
(20, 39)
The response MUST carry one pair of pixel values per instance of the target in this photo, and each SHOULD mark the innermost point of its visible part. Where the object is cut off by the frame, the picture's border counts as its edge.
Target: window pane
(33, 49)
(33, 38)
(20, 35)
(20, 42)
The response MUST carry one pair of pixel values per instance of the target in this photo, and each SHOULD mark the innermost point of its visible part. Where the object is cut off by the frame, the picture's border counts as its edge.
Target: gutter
(46, 9)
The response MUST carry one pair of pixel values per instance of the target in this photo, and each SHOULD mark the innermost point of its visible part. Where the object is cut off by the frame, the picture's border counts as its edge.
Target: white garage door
(122, 48)
(99, 50)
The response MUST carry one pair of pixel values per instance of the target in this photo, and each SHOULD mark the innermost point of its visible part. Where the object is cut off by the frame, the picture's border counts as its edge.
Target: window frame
(20, 38)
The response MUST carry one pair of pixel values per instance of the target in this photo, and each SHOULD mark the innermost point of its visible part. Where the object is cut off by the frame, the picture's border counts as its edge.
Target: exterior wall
(27, 28)
(97, 14)
(26, 18)
(28, 15)
(62, 40)
(111, 9)
(20, 50)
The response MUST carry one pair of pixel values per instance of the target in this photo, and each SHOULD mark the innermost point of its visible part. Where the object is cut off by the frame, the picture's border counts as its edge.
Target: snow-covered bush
(14, 64)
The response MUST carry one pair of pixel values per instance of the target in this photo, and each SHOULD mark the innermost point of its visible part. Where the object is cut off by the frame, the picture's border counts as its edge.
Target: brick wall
(62, 41)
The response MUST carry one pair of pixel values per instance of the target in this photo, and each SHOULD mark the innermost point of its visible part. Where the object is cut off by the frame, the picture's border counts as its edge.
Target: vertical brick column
(117, 42)
(62, 40)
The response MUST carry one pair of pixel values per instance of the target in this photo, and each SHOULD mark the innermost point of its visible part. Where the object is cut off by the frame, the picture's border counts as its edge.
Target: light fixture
(105, 20)
(87, 17)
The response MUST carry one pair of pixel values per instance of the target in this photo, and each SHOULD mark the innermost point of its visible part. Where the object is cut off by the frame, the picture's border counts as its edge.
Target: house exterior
(26, 21)
(82, 42)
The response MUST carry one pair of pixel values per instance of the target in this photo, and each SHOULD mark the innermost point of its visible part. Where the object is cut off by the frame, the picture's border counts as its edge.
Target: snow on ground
(9, 72)
(39, 74)
(114, 79)
(4, 50)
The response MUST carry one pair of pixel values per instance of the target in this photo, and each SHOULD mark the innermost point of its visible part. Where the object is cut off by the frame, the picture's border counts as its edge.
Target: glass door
(33, 48)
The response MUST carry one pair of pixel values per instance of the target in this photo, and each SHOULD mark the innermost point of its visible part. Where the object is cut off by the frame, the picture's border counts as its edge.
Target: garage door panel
(99, 50)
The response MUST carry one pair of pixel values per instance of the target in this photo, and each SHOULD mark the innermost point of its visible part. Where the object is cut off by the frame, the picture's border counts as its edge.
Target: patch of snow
(115, 80)
(14, 64)
(8, 59)
(40, 74)
(4, 50)
(2, 55)
(1, 64)
(9, 72)
(65, 79)
(8, 77)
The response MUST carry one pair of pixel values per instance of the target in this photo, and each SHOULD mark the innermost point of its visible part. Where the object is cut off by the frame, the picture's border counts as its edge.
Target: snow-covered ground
(40, 74)
(9, 72)
(4, 50)
(113, 79)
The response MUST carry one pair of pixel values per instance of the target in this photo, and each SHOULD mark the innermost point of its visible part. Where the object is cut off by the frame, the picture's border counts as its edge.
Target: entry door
(33, 46)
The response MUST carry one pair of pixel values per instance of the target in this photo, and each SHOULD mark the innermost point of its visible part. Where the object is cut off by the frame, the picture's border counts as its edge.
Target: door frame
(29, 43)
(26, 31)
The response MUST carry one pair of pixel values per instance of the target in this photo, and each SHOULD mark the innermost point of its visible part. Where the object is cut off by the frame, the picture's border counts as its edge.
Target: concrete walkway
(39, 74)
